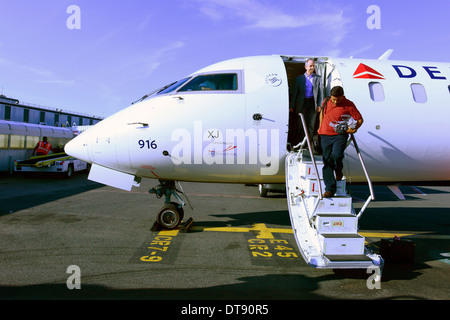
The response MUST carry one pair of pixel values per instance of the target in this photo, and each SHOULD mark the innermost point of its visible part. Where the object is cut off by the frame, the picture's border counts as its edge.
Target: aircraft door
(266, 118)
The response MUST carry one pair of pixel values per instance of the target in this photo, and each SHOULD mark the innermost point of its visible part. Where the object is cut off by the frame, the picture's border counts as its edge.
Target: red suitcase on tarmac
(397, 250)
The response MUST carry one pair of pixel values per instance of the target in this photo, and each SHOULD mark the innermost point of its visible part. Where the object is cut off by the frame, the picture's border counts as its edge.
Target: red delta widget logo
(365, 72)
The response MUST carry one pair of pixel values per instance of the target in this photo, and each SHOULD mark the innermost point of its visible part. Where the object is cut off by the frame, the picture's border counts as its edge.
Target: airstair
(326, 229)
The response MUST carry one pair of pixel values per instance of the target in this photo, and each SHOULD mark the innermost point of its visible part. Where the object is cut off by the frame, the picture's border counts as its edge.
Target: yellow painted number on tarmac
(159, 245)
(151, 259)
(263, 248)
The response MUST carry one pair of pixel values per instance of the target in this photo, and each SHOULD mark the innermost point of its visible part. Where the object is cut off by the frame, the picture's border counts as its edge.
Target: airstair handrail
(372, 195)
(312, 155)
(352, 137)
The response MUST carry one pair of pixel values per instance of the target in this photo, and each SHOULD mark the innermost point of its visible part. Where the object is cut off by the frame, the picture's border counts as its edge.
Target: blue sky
(125, 49)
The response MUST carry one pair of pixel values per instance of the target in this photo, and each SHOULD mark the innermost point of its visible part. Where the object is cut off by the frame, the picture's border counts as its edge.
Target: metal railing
(369, 182)
(308, 141)
(358, 152)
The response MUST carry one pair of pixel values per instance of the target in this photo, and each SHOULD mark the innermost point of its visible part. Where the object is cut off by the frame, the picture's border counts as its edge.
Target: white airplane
(229, 122)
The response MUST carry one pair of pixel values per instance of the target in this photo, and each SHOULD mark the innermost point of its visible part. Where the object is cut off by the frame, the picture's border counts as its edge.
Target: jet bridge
(326, 229)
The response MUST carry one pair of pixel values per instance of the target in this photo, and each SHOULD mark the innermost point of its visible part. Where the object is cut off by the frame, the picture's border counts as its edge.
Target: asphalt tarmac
(76, 239)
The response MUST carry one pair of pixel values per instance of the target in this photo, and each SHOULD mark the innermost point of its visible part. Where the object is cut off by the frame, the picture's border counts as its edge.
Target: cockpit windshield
(214, 82)
(167, 88)
(228, 82)
(173, 86)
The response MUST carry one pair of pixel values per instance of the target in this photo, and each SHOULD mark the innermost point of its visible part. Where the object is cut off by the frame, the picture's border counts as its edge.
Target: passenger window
(215, 82)
(17, 142)
(376, 91)
(419, 93)
(32, 141)
(4, 141)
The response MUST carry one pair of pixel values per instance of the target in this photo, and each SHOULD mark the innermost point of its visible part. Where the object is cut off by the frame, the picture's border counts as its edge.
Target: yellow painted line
(263, 231)
(267, 233)
(280, 230)
(221, 229)
(169, 233)
(384, 234)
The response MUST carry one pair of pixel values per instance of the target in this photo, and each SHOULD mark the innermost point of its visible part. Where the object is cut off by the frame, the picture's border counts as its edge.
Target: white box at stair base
(342, 244)
(337, 224)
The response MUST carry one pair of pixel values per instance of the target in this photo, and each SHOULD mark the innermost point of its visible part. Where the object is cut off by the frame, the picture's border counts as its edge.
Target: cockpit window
(173, 86)
(215, 82)
(167, 88)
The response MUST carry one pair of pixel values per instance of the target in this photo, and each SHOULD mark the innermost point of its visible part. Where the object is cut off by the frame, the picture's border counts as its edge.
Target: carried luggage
(397, 250)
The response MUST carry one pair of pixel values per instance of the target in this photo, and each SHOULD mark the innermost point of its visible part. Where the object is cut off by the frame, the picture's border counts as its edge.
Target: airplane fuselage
(236, 130)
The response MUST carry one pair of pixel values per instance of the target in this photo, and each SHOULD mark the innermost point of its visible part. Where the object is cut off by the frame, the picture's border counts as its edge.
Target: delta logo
(366, 72)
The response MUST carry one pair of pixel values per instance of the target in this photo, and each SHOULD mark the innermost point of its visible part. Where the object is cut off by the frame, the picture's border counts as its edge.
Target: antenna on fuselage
(386, 55)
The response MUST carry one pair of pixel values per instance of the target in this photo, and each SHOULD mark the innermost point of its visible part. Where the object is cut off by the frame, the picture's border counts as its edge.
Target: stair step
(308, 171)
(311, 187)
(348, 257)
(331, 206)
(338, 223)
(342, 244)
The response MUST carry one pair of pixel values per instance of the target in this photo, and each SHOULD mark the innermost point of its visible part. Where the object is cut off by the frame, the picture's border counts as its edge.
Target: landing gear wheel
(263, 191)
(170, 216)
(69, 172)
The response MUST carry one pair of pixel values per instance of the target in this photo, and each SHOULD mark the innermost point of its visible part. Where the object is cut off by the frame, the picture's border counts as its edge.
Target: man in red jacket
(42, 147)
(334, 137)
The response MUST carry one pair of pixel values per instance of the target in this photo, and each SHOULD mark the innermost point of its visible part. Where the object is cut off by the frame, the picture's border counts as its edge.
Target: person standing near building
(306, 99)
(42, 147)
(334, 139)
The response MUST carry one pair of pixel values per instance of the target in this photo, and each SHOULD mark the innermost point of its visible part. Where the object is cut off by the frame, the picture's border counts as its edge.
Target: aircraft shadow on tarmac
(247, 219)
(44, 189)
(267, 287)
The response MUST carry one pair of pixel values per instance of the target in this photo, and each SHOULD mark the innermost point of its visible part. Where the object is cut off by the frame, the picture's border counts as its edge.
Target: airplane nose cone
(78, 148)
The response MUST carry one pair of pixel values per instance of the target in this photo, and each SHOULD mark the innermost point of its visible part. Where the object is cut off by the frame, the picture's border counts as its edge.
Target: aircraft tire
(170, 216)
(69, 172)
(262, 190)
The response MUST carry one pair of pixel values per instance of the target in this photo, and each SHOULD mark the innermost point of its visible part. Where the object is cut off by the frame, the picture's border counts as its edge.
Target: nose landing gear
(172, 213)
